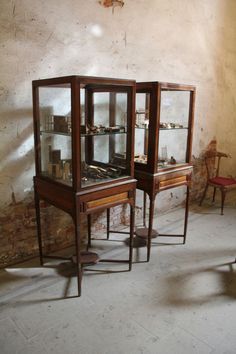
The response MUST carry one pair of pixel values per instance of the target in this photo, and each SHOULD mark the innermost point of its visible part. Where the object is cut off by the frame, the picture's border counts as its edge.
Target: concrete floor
(182, 301)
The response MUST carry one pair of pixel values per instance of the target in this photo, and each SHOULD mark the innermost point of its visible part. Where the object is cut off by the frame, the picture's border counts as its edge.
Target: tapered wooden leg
(151, 213)
(89, 230)
(204, 194)
(214, 194)
(144, 208)
(108, 223)
(131, 237)
(186, 214)
(38, 221)
(77, 246)
(222, 201)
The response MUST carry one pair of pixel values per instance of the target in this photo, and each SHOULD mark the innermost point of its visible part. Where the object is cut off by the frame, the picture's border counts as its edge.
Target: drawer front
(173, 182)
(109, 201)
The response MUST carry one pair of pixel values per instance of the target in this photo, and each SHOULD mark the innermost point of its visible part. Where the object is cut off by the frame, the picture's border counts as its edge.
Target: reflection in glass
(104, 138)
(173, 132)
(141, 127)
(55, 132)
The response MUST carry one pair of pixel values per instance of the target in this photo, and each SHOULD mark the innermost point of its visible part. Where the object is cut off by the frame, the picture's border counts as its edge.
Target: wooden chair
(212, 161)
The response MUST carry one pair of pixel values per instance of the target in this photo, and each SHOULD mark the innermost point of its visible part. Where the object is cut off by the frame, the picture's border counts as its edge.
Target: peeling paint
(112, 3)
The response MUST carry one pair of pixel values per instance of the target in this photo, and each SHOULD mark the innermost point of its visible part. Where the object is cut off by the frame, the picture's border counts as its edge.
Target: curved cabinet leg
(186, 214)
(77, 246)
(144, 208)
(149, 239)
(38, 221)
(89, 231)
(131, 236)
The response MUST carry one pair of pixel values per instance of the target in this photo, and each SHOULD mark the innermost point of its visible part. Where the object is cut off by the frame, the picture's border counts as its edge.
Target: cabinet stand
(87, 203)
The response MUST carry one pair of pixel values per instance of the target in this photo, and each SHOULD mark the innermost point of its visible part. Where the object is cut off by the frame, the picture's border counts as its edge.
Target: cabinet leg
(108, 223)
(144, 208)
(151, 212)
(131, 237)
(77, 246)
(89, 231)
(38, 221)
(186, 214)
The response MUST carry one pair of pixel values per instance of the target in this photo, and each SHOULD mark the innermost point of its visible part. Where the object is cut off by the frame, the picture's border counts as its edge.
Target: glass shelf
(105, 133)
(182, 128)
(82, 135)
(53, 132)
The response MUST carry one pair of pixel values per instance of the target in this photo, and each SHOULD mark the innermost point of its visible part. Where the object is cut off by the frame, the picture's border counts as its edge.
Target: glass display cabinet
(163, 144)
(84, 138)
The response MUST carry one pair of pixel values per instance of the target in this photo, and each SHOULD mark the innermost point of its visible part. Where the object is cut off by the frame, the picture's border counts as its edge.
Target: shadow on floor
(188, 289)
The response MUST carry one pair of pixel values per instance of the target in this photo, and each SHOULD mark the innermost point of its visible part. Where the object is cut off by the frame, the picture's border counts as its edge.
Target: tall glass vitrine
(84, 136)
(163, 144)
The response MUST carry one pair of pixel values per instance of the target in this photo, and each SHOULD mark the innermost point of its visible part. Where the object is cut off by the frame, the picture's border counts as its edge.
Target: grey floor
(182, 301)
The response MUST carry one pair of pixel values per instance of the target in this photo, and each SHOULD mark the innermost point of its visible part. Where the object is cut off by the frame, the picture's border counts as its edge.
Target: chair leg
(214, 194)
(223, 193)
(204, 194)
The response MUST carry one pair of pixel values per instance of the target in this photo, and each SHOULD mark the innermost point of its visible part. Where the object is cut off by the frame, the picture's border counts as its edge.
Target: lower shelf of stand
(142, 232)
(87, 258)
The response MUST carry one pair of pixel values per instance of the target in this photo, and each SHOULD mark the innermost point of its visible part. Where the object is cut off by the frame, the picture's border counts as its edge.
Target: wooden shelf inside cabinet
(163, 144)
(84, 135)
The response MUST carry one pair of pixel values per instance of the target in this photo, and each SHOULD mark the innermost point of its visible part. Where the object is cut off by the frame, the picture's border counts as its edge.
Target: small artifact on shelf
(162, 163)
(92, 129)
(178, 126)
(119, 159)
(142, 118)
(114, 129)
(100, 129)
(58, 124)
(140, 158)
(172, 160)
(83, 129)
(171, 125)
(54, 169)
(62, 124)
(54, 156)
(57, 167)
(98, 172)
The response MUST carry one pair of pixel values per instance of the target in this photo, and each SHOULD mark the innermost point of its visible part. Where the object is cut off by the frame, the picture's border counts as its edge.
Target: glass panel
(104, 138)
(141, 127)
(173, 132)
(55, 132)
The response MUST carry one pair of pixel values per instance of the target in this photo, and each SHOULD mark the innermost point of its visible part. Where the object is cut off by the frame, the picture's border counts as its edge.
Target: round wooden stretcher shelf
(142, 232)
(87, 258)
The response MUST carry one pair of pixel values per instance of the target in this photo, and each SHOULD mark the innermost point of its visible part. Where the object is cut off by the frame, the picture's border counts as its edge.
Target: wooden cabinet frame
(151, 179)
(75, 199)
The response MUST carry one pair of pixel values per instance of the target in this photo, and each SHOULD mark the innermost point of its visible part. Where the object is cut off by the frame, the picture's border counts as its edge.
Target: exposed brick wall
(18, 236)
(199, 172)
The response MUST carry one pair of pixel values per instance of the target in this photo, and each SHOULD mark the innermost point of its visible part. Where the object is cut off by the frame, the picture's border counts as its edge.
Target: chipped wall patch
(112, 3)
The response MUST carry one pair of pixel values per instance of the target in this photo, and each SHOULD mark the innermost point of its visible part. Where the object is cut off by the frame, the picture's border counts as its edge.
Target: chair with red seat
(212, 161)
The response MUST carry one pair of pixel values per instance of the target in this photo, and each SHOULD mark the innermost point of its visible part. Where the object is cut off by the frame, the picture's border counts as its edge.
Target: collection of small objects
(61, 168)
(98, 172)
(100, 129)
(62, 124)
(171, 126)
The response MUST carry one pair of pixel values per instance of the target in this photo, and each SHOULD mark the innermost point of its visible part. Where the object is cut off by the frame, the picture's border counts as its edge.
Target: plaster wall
(184, 41)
